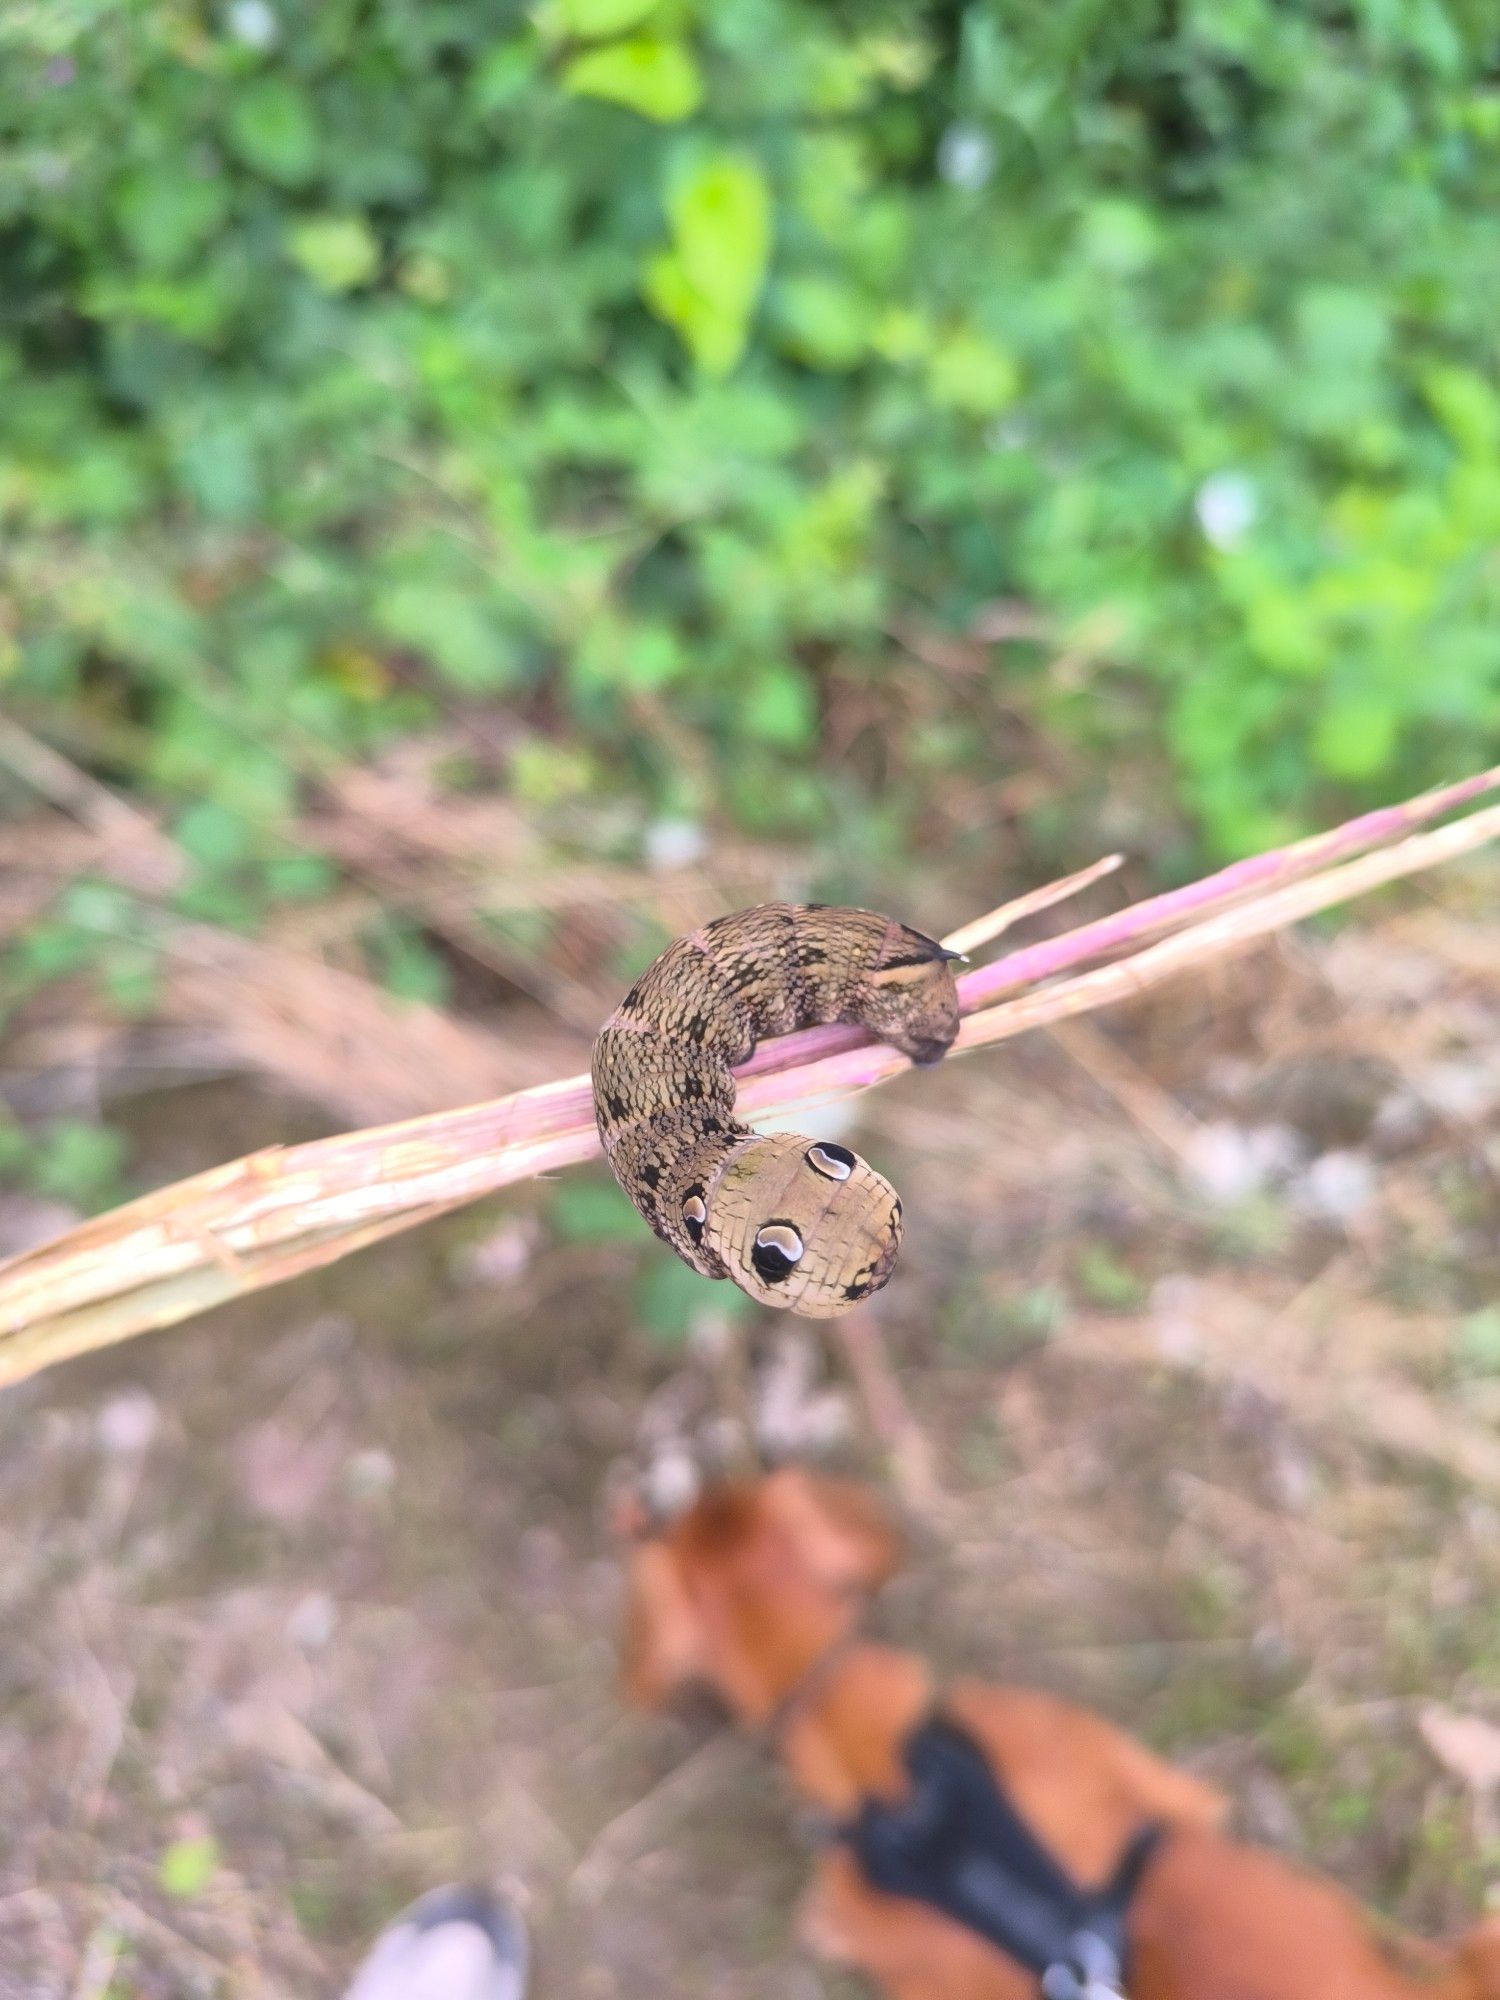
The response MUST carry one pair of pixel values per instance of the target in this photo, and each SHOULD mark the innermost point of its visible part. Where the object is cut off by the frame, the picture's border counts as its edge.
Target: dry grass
(1188, 1373)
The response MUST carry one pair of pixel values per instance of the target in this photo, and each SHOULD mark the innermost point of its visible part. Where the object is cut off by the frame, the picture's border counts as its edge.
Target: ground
(1187, 1389)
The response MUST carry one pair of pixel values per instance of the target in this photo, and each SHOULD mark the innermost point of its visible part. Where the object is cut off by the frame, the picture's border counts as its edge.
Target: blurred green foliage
(633, 363)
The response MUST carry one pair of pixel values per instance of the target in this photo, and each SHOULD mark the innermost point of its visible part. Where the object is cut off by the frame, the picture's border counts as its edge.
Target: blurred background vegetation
(885, 430)
(481, 489)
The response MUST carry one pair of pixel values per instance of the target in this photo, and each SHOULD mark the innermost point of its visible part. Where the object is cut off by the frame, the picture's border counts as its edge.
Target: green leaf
(167, 214)
(1106, 1280)
(217, 463)
(670, 1297)
(706, 286)
(409, 967)
(79, 1162)
(213, 836)
(505, 74)
(449, 626)
(1478, 1342)
(593, 20)
(102, 482)
(1468, 408)
(594, 1211)
(1356, 736)
(188, 1866)
(1121, 236)
(824, 322)
(543, 773)
(300, 878)
(272, 129)
(102, 907)
(15, 1145)
(659, 79)
(53, 950)
(970, 373)
(645, 654)
(779, 708)
(338, 252)
(132, 978)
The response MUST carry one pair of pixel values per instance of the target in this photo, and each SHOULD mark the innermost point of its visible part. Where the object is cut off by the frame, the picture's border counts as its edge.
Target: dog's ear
(841, 1531)
(663, 1641)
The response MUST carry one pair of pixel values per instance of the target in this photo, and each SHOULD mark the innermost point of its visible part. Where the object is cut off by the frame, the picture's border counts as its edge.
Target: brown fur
(756, 1593)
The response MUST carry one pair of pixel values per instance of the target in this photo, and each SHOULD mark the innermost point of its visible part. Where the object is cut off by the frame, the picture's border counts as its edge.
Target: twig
(73, 791)
(1232, 930)
(615, 1843)
(1226, 888)
(1157, 1115)
(984, 930)
(889, 1414)
(281, 1212)
(1222, 891)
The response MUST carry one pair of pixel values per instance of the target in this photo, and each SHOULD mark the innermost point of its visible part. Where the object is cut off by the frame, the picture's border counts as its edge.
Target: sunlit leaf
(823, 322)
(657, 78)
(1356, 736)
(593, 20)
(707, 284)
(338, 252)
(188, 1866)
(272, 129)
(167, 213)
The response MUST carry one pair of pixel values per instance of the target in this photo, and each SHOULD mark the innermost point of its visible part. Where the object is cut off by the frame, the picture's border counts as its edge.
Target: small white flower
(1462, 1087)
(1337, 1187)
(254, 23)
(313, 1620)
(370, 1473)
(128, 1422)
(966, 157)
(503, 1255)
(1176, 1308)
(1227, 505)
(1229, 1163)
(674, 843)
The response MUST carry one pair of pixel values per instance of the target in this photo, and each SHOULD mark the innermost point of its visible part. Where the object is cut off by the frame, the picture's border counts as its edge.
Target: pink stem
(1057, 954)
(1040, 961)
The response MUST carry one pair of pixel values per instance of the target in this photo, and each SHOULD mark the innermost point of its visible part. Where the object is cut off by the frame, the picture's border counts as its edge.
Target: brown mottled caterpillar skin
(799, 1223)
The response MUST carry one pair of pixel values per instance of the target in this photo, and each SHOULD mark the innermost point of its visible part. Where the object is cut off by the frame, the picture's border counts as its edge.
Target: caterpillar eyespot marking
(777, 1252)
(799, 1223)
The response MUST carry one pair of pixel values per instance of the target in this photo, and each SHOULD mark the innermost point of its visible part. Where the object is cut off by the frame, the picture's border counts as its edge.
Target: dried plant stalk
(284, 1211)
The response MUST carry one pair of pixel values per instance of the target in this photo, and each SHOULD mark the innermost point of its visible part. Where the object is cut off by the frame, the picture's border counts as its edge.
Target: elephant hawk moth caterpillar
(798, 1223)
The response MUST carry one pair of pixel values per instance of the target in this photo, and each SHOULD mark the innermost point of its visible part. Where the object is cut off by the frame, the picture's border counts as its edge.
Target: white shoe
(455, 1944)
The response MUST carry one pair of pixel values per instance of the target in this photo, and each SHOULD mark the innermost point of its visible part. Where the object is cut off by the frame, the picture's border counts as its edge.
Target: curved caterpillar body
(794, 1222)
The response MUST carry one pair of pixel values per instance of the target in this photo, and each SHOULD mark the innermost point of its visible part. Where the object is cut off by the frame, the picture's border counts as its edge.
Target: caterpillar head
(799, 1223)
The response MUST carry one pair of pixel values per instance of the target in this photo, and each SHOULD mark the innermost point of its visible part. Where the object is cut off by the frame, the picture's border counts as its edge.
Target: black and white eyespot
(776, 1252)
(837, 1162)
(694, 1213)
